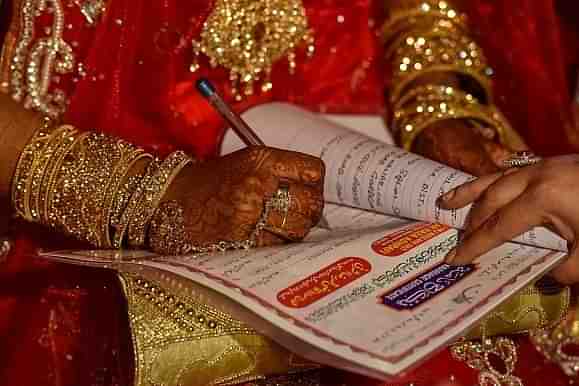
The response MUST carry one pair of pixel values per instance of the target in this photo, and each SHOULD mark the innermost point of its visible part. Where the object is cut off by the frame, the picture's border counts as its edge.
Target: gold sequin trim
(179, 338)
(480, 355)
(37, 60)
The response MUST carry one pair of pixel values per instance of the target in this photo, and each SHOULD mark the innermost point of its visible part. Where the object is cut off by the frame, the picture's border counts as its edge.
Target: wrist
(17, 126)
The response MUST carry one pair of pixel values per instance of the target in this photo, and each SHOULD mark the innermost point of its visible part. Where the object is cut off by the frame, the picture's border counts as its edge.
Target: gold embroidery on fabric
(480, 356)
(91, 9)
(533, 310)
(248, 36)
(178, 339)
(37, 60)
(559, 344)
(8, 46)
(530, 309)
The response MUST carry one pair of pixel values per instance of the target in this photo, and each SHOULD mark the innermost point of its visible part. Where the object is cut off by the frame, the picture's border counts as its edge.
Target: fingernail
(450, 256)
(446, 196)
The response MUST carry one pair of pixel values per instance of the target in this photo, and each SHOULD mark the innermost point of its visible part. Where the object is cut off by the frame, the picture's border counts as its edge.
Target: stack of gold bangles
(87, 185)
(431, 38)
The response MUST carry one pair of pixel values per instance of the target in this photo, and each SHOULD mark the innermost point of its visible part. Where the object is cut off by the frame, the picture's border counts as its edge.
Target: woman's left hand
(510, 203)
(462, 147)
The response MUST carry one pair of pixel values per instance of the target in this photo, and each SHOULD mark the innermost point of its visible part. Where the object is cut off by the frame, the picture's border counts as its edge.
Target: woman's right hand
(462, 147)
(223, 199)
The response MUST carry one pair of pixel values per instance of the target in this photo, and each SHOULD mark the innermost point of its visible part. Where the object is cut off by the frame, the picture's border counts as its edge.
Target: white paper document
(371, 295)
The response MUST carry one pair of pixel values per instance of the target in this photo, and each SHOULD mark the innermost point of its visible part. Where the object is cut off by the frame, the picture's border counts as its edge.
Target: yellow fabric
(180, 340)
(534, 307)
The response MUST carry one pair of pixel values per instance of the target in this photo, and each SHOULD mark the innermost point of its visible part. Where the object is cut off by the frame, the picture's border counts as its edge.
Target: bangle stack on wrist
(427, 105)
(84, 185)
(429, 38)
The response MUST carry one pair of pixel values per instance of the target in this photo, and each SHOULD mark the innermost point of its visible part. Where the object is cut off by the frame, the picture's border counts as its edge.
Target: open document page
(371, 296)
(366, 173)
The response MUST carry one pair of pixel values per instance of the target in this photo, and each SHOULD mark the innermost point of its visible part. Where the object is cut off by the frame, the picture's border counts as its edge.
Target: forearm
(17, 126)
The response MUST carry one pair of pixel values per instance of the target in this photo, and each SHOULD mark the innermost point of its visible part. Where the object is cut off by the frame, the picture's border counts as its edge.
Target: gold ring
(281, 201)
(521, 159)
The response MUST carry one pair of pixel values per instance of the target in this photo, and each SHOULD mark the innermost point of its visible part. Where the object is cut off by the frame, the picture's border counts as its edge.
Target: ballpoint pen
(241, 128)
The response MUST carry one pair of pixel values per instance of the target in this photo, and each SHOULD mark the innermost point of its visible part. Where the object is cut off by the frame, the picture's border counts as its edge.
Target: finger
(305, 209)
(497, 195)
(298, 167)
(506, 223)
(307, 202)
(469, 192)
(497, 153)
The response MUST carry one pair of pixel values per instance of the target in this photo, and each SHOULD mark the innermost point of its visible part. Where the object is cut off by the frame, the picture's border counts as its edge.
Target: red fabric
(69, 324)
(534, 55)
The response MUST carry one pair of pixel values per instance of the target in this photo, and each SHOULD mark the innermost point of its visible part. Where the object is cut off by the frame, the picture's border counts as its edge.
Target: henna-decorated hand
(459, 146)
(223, 199)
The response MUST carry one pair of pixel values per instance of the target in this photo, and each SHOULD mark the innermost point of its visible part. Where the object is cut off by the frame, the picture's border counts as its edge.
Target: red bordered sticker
(324, 282)
(400, 242)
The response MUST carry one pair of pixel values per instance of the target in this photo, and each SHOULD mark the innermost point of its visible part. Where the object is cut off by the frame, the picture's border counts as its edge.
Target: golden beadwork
(91, 9)
(480, 355)
(555, 343)
(181, 338)
(36, 60)
(248, 36)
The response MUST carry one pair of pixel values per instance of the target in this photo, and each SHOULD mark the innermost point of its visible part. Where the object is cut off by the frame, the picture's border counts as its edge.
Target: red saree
(67, 324)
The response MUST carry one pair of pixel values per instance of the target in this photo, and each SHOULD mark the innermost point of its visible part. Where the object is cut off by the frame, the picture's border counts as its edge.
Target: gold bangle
(61, 138)
(152, 194)
(53, 170)
(133, 204)
(81, 193)
(420, 55)
(20, 192)
(129, 156)
(423, 17)
(423, 110)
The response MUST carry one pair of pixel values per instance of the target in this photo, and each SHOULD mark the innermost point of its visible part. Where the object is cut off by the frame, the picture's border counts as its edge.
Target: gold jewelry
(133, 203)
(52, 169)
(248, 37)
(521, 159)
(168, 233)
(129, 156)
(409, 17)
(60, 139)
(79, 204)
(151, 195)
(33, 150)
(440, 103)
(281, 201)
(422, 54)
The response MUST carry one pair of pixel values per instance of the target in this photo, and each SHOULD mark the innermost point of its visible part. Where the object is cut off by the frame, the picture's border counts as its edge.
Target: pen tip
(205, 87)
